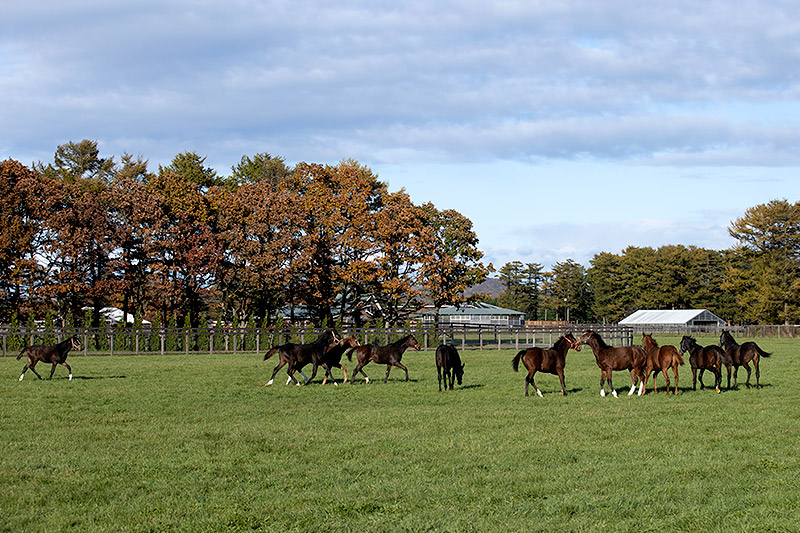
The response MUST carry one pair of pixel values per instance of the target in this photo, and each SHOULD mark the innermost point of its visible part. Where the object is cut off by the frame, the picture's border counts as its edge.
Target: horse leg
(280, 365)
(33, 369)
(729, 377)
(611, 385)
(561, 378)
(675, 370)
(388, 369)
(602, 384)
(634, 380)
(400, 366)
(439, 375)
(535, 387)
(313, 374)
(735, 376)
(717, 378)
(747, 367)
(345, 373)
(758, 373)
(452, 378)
(68, 370)
(694, 380)
(646, 376)
(52, 371)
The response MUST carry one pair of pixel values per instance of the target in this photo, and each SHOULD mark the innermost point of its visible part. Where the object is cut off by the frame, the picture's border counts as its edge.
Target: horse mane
(600, 342)
(401, 341)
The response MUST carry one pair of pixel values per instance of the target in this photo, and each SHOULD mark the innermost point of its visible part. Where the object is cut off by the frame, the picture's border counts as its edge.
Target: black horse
(388, 355)
(299, 355)
(56, 354)
(706, 358)
(741, 355)
(448, 361)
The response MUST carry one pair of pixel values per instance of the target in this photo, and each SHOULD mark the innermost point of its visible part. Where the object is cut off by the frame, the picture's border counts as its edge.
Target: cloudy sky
(560, 128)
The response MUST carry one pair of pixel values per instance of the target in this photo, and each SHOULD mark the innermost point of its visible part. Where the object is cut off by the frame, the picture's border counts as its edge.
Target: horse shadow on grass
(98, 377)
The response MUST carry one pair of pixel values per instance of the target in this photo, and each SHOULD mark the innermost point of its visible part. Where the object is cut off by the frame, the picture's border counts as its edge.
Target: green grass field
(197, 443)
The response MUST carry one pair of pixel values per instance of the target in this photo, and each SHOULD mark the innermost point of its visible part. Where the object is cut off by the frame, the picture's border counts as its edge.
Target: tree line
(756, 281)
(185, 244)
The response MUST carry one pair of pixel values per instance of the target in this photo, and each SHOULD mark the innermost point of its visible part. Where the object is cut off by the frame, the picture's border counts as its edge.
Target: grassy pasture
(197, 443)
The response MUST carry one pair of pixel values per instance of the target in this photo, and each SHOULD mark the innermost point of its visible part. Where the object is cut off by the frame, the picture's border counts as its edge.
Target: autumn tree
(19, 220)
(259, 230)
(184, 249)
(452, 261)
(136, 213)
(77, 240)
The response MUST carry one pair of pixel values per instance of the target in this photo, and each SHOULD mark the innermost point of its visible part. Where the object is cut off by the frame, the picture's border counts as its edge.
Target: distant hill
(492, 286)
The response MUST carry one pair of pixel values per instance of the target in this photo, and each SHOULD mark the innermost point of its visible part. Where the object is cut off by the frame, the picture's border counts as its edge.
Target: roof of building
(475, 309)
(670, 316)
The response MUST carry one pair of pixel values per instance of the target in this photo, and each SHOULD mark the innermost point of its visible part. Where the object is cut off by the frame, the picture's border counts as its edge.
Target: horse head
(687, 343)
(573, 343)
(459, 372)
(75, 342)
(411, 342)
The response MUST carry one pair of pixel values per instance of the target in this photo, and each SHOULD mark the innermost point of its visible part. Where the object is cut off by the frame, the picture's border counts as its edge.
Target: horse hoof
(614, 394)
(21, 376)
(603, 393)
(718, 391)
(70, 377)
(539, 393)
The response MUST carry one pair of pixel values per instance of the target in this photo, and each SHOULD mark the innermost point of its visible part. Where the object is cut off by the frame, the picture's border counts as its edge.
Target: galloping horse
(388, 355)
(333, 357)
(611, 358)
(660, 358)
(706, 358)
(741, 355)
(56, 354)
(551, 360)
(299, 355)
(448, 361)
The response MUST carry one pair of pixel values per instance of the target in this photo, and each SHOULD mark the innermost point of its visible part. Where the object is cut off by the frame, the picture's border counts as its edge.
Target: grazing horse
(660, 358)
(299, 355)
(56, 354)
(741, 355)
(551, 361)
(448, 361)
(333, 357)
(388, 355)
(609, 358)
(706, 358)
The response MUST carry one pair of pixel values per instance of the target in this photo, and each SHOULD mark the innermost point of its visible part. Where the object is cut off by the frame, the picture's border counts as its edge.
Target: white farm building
(645, 318)
(475, 315)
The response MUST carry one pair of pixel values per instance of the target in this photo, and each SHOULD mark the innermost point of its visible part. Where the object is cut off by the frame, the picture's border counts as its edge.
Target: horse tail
(516, 360)
(350, 353)
(271, 352)
(761, 352)
(678, 357)
(20, 353)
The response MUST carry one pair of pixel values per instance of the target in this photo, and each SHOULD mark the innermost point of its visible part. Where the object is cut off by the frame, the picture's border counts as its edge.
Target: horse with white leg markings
(299, 355)
(56, 354)
(551, 361)
(610, 358)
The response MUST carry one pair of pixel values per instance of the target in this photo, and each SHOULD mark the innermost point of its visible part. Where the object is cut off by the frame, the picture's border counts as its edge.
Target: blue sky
(561, 129)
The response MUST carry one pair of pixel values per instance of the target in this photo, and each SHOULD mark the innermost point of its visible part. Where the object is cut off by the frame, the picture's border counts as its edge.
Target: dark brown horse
(610, 358)
(449, 363)
(741, 355)
(551, 360)
(299, 355)
(388, 355)
(56, 354)
(706, 358)
(660, 358)
(333, 357)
